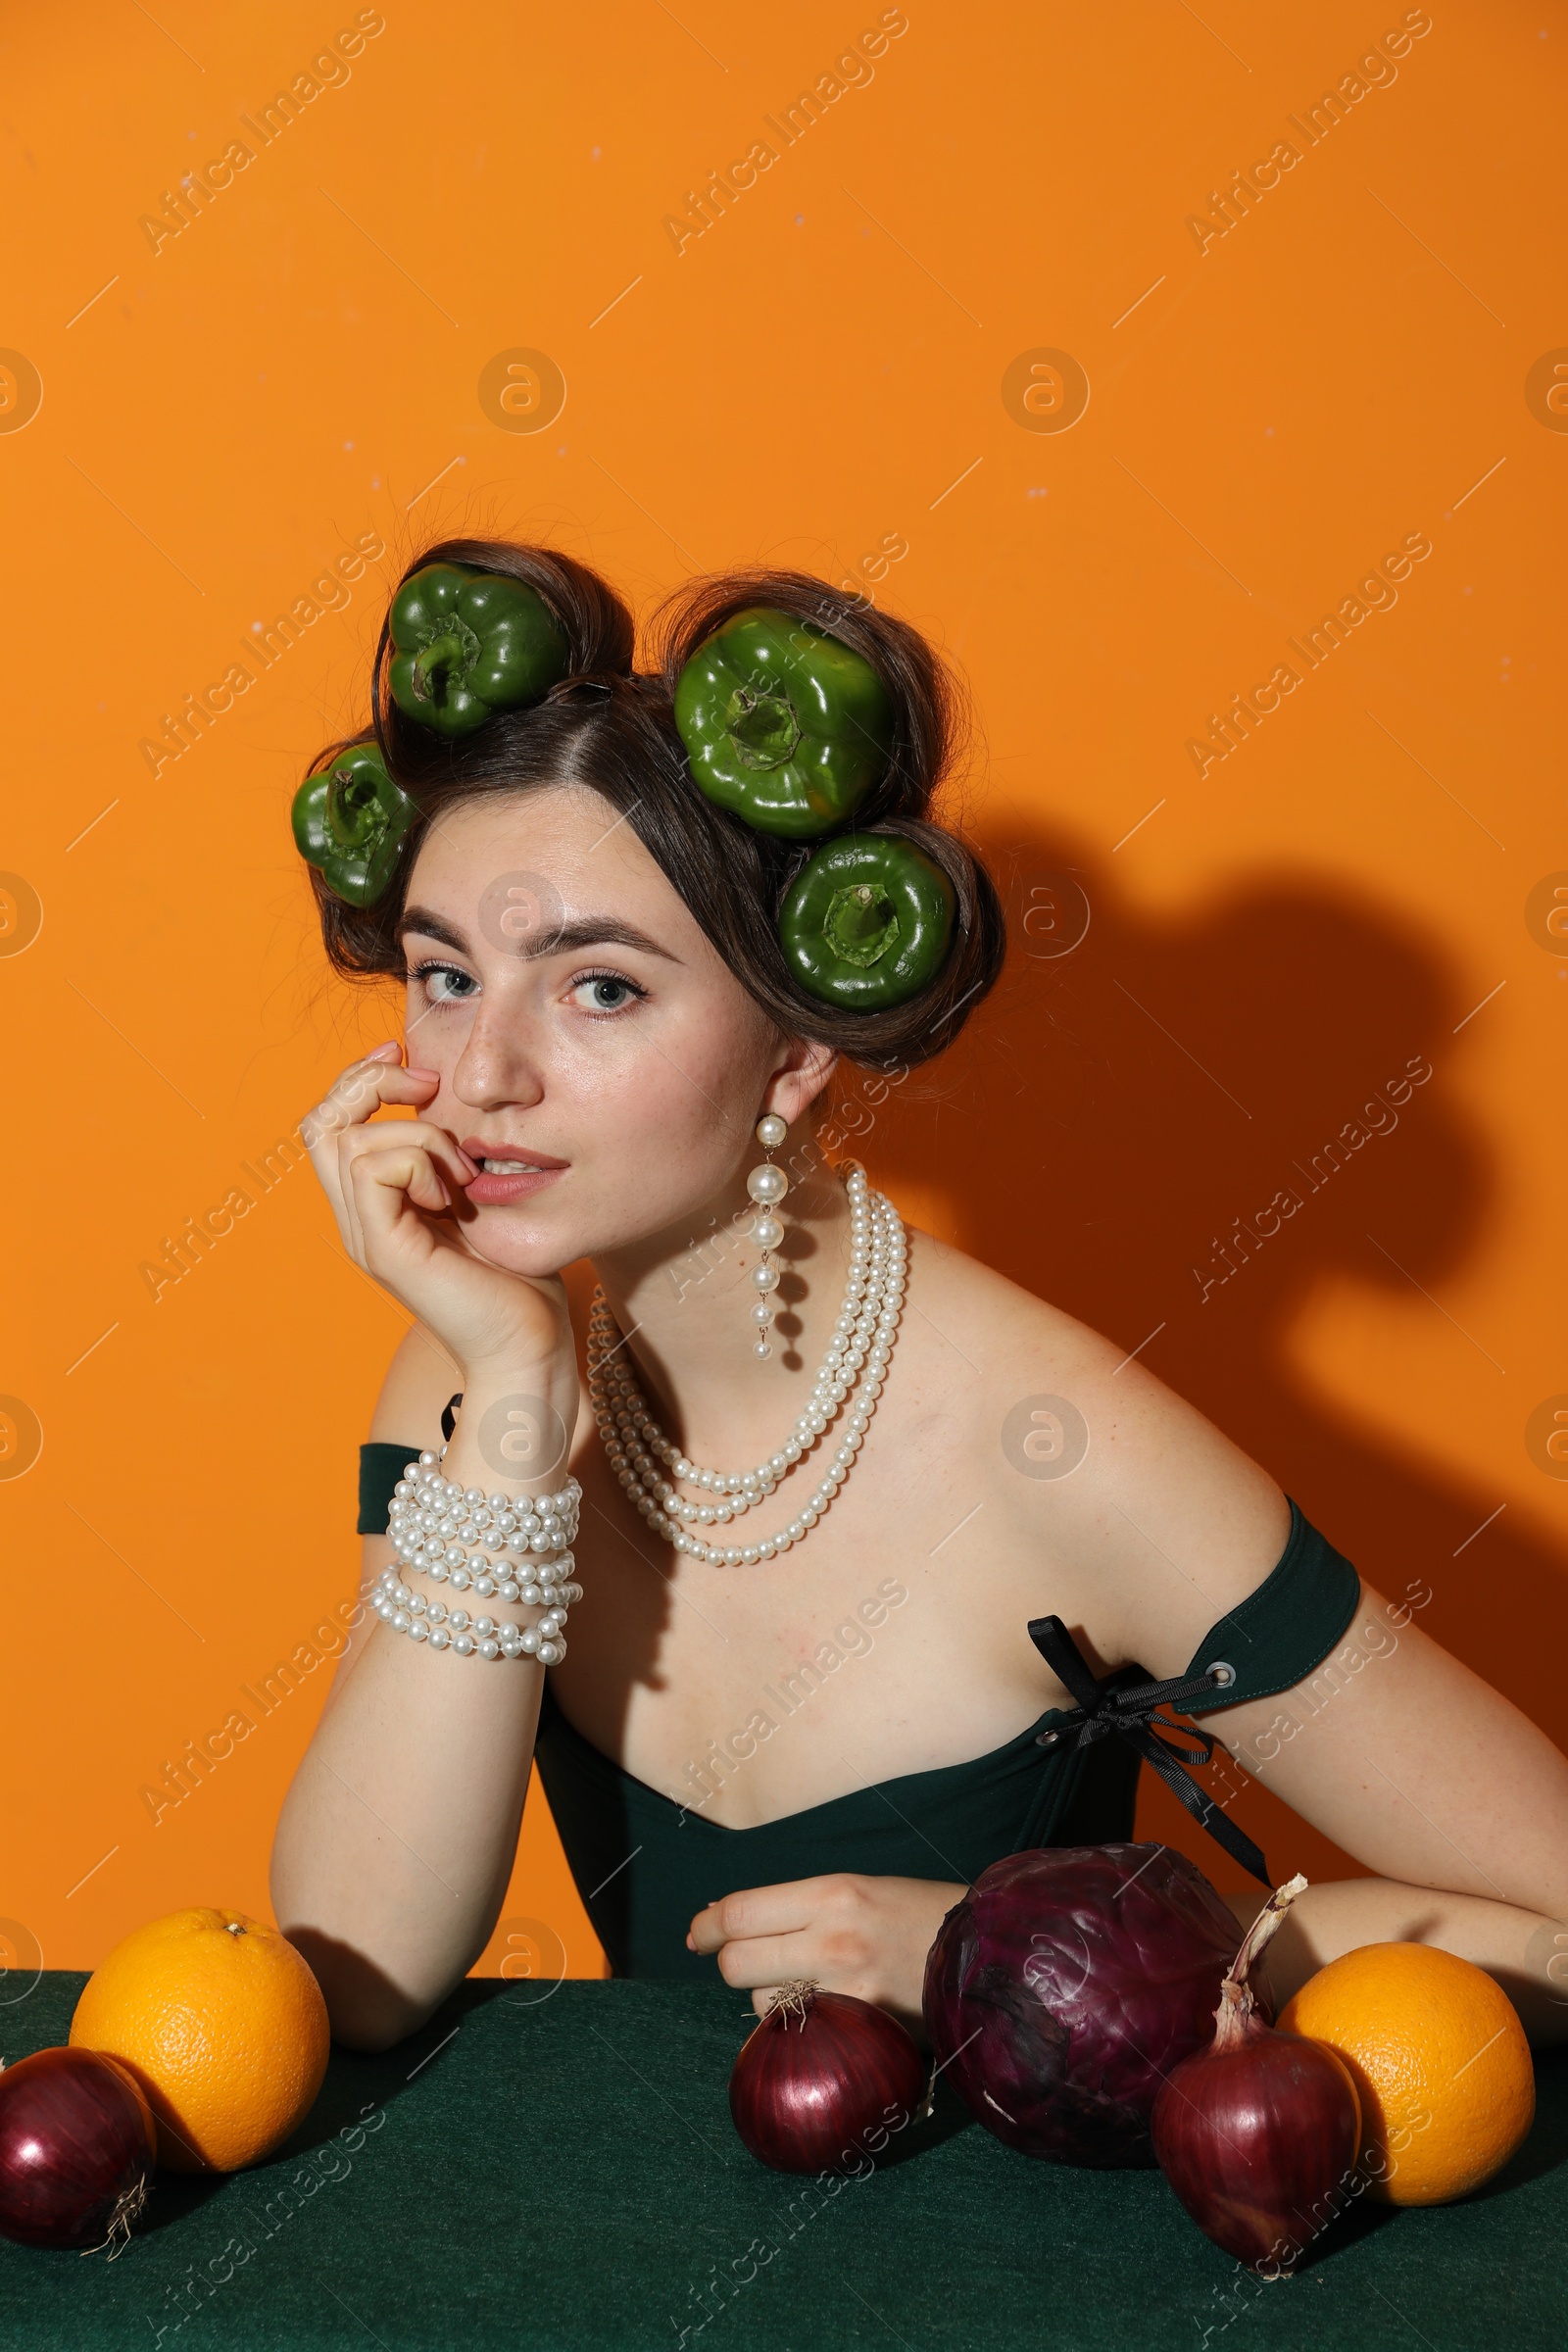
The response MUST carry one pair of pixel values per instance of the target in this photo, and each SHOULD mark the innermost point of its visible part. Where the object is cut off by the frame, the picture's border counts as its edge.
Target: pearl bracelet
(430, 1523)
(426, 1473)
(539, 1580)
(432, 1520)
(513, 1579)
(397, 1605)
(422, 1488)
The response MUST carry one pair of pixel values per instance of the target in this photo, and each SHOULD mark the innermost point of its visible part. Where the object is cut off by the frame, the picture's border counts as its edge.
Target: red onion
(1258, 2135)
(77, 2146)
(820, 2073)
(1064, 1989)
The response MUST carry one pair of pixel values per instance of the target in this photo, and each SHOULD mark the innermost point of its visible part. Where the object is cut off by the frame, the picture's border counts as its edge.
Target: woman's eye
(445, 983)
(605, 991)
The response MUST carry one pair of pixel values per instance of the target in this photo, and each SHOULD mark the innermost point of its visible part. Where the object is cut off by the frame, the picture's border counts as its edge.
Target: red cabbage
(1065, 1986)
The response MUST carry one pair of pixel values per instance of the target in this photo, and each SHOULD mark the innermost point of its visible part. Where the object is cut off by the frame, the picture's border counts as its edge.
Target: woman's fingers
(762, 1961)
(385, 1167)
(851, 1934)
(397, 1190)
(361, 1091)
(446, 1167)
(756, 1911)
(381, 1181)
(761, 1937)
(400, 1191)
(356, 1095)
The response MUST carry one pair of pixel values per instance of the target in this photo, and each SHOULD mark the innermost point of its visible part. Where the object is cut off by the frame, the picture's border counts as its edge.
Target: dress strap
(1132, 1713)
(1282, 1632)
(380, 1467)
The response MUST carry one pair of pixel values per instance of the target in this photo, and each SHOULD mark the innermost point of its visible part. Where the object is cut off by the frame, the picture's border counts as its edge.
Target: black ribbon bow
(1133, 1715)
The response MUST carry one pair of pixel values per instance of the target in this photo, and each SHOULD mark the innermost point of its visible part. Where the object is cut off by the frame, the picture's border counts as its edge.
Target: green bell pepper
(783, 725)
(466, 643)
(349, 820)
(868, 922)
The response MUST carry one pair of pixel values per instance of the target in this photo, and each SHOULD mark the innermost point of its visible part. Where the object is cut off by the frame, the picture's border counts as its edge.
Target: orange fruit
(1438, 2058)
(224, 2026)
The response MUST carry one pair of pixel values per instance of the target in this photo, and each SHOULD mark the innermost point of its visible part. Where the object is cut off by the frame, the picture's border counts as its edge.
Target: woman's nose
(498, 1065)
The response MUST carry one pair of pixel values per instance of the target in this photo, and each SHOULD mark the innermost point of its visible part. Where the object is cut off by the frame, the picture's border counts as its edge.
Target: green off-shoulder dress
(645, 1863)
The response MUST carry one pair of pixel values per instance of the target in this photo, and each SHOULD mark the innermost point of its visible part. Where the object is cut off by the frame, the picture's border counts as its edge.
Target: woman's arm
(1521, 1949)
(1419, 1769)
(397, 1836)
(1392, 1747)
(420, 1379)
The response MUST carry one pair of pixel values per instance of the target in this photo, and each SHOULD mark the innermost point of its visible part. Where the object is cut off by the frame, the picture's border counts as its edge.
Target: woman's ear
(802, 1071)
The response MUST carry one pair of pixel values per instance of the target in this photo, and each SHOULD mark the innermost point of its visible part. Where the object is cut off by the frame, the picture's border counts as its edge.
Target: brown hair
(613, 728)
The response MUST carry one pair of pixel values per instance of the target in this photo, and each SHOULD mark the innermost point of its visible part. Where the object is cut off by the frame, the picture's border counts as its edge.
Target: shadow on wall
(1192, 1125)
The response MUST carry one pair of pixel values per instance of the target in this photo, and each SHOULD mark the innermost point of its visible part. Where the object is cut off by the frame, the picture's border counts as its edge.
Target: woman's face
(597, 1057)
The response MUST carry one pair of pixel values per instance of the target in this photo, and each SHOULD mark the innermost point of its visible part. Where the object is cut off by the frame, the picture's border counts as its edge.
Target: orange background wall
(831, 374)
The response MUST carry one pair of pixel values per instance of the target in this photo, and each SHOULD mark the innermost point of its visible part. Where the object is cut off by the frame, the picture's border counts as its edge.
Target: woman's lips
(530, 1172)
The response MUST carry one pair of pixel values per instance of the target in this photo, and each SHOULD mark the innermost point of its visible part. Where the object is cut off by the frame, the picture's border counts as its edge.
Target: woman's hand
(849, 1933)
(396, 1190)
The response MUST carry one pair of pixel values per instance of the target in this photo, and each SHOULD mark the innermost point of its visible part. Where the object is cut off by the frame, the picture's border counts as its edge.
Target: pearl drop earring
(768, 1185)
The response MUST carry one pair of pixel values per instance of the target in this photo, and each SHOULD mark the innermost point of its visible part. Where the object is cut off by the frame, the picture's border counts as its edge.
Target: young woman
(791, 1759)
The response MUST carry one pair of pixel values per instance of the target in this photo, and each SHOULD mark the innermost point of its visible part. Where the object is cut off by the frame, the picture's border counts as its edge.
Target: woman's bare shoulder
(1016, 1340)
(419, 1380)
(1003, 1328)
(1090, 1449)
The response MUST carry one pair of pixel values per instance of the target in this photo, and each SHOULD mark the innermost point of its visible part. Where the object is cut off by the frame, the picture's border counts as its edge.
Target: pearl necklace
(852, 1376)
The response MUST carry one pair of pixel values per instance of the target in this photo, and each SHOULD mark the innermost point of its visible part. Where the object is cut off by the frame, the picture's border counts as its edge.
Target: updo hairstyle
(611, 727)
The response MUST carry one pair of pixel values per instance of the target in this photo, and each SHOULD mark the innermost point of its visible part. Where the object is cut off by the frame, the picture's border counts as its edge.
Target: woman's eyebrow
(588, 931)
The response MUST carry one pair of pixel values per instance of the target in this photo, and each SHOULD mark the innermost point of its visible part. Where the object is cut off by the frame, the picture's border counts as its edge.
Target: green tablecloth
(563, 2172)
